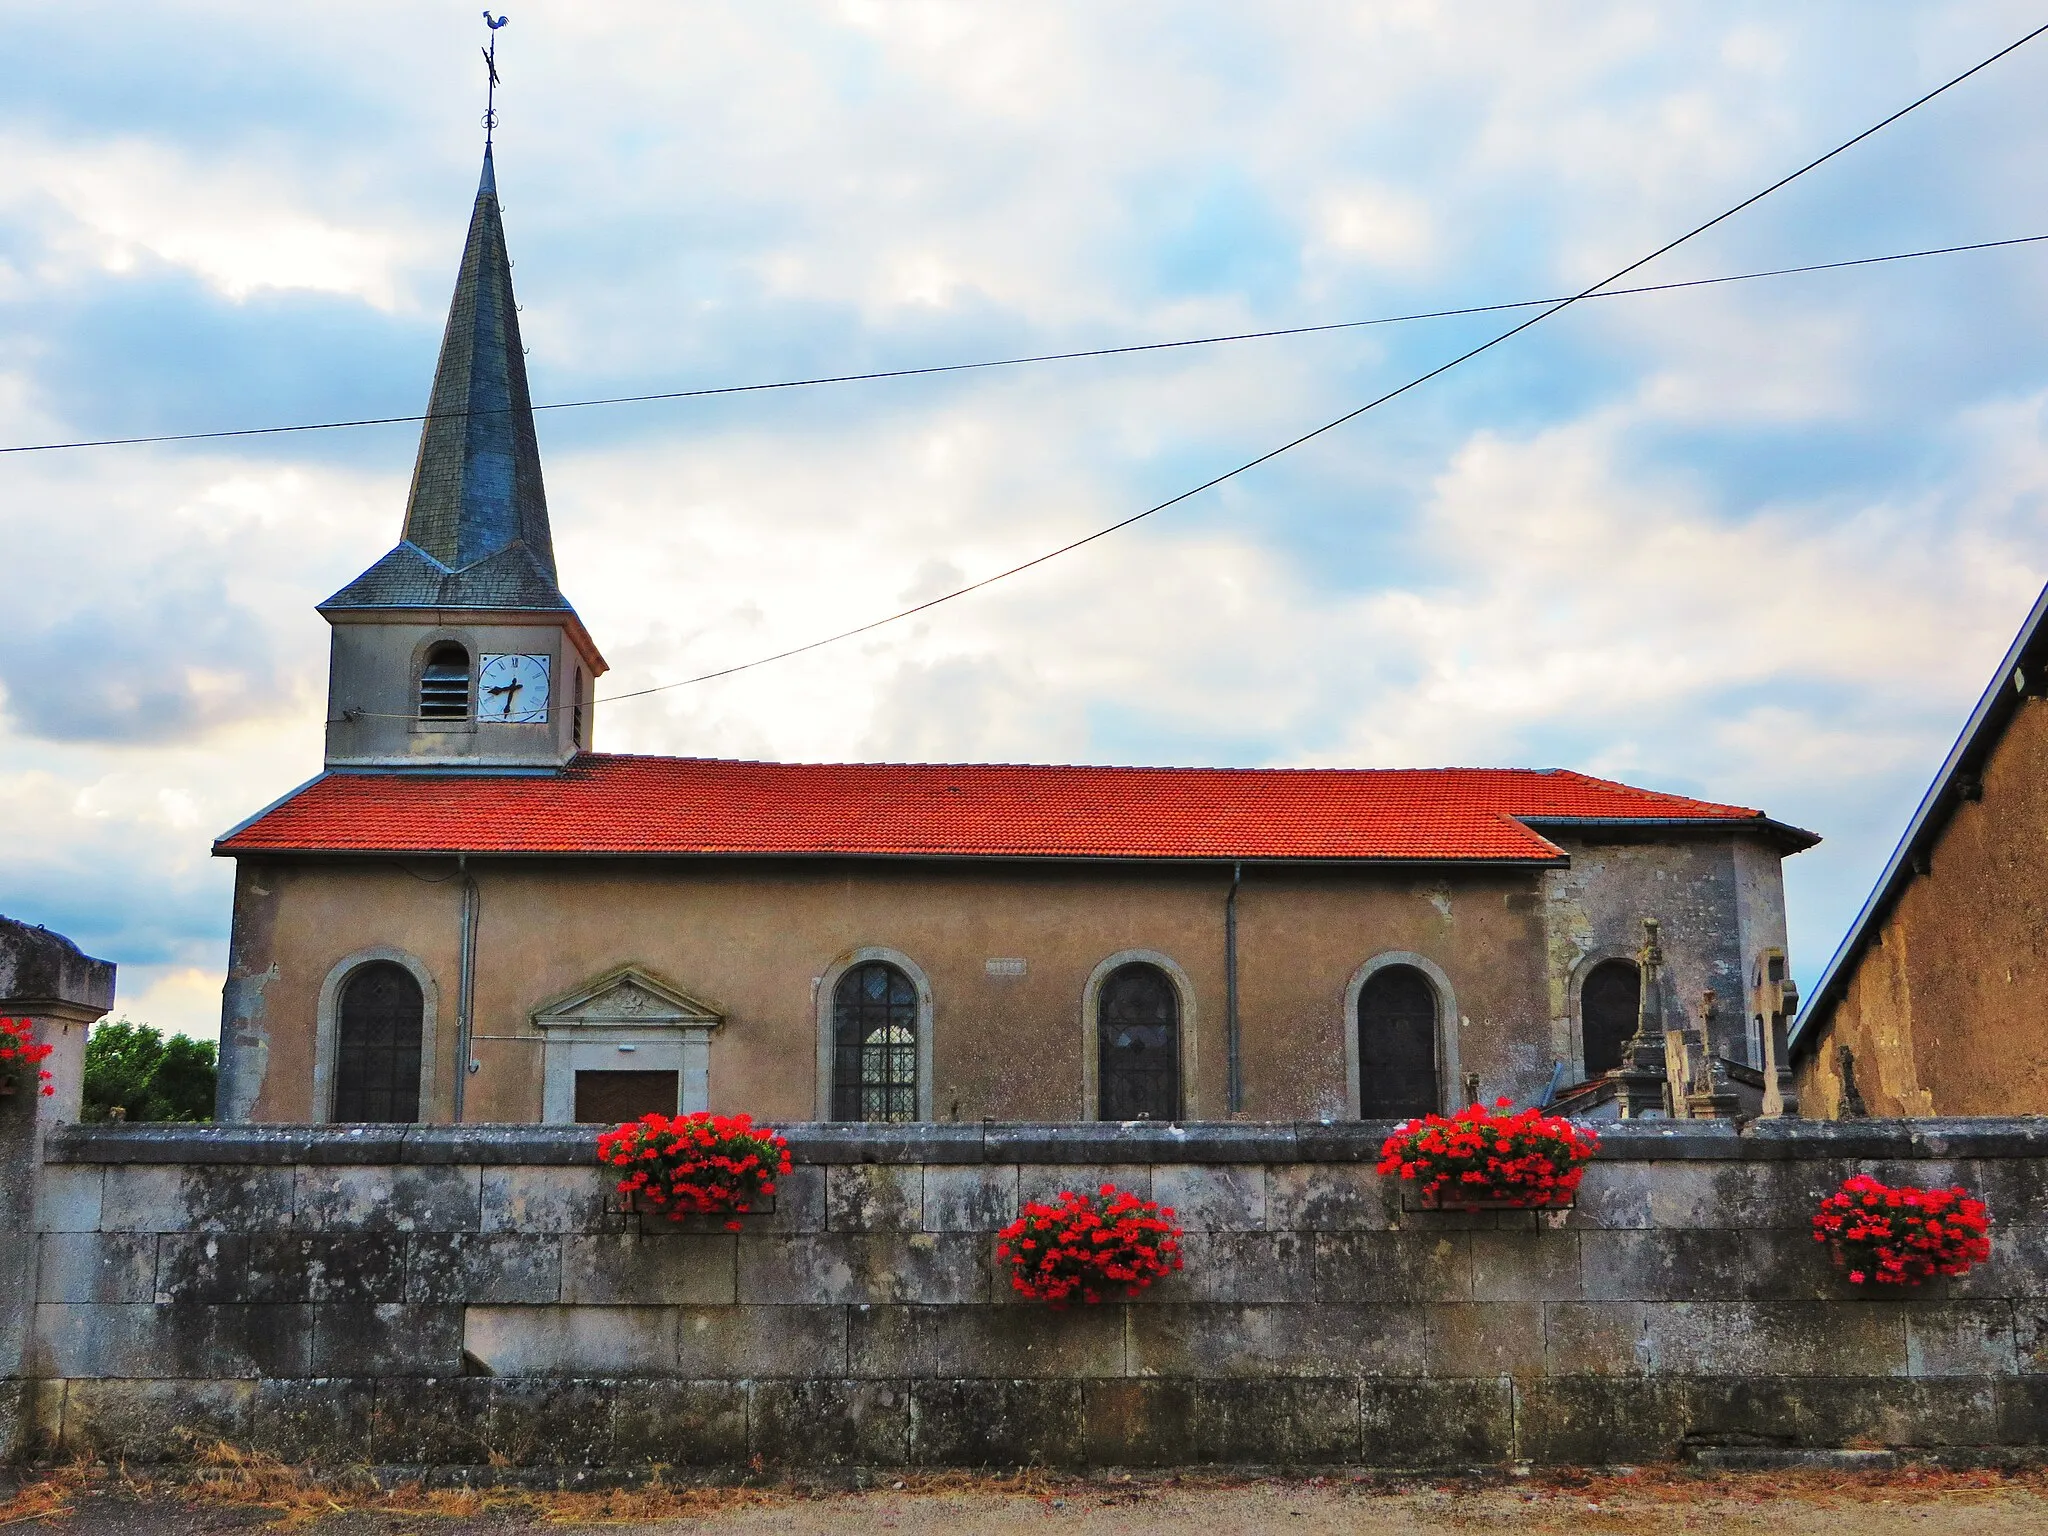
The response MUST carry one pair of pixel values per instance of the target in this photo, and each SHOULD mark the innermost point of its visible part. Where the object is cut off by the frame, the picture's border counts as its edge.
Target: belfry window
(874, 1036)
(1137, 1041)
(1609, 1000)
(377, 1056)
(444, 683)
(1397, 1045)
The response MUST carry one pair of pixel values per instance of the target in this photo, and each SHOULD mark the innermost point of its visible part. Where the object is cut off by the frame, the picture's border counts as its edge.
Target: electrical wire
(933, 369)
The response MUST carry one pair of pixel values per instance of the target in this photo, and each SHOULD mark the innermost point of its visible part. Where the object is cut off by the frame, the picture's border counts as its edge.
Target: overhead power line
(984, 364)
(1351, 415)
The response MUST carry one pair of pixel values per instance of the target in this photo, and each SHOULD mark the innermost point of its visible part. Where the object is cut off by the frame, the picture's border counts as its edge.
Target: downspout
(465, 986)
(1234, 1092)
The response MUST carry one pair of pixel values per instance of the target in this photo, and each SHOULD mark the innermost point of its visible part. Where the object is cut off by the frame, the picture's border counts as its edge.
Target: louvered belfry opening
(377, 1059)
(1397, 1065)
(444, 683)
(1610, 1002)
(874, 1032)
(1137, 1029)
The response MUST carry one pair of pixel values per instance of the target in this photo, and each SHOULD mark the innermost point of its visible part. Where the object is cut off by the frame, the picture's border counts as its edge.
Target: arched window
(1610, 999)
(377, 1056)
(1137, 1033)
(1397, 1068)
(874, 1038)
(444, 682)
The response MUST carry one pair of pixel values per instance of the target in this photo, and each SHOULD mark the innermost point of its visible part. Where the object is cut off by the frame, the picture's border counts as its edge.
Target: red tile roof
(606, 804)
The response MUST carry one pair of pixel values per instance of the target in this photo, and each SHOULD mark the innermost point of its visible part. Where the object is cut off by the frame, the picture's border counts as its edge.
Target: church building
(471, 914)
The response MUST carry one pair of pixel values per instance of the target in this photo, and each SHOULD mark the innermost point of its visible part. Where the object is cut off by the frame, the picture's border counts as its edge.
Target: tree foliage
(147, 1074)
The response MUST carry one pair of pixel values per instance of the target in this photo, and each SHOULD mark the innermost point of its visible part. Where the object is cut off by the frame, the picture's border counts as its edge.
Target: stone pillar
(1641, 1082)
(45, 979)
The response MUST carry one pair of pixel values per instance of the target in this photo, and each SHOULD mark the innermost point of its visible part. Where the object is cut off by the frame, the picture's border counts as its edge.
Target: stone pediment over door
(627, 998)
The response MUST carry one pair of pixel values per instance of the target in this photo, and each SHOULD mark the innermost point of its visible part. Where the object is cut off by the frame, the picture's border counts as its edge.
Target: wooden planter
(626, 1203)
(1438, 1201)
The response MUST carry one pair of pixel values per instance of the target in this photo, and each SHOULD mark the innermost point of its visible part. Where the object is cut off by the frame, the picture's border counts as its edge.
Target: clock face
(513, 690)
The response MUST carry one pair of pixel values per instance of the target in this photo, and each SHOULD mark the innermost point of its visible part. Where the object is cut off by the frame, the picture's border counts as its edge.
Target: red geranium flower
(1088, 1248)
(19, 1047)
(1496, 1154)
(696, 1165)
(1902, 1235)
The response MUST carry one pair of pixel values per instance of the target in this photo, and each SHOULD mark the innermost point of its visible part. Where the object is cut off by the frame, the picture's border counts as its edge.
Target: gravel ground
(1927, 1504)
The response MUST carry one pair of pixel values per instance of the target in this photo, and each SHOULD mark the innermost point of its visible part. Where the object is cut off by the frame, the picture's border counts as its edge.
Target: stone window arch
(1139, 987)
(1610, 993)
(1400, 1037)
(375, 1046)
(446, 689)
(874, 1038)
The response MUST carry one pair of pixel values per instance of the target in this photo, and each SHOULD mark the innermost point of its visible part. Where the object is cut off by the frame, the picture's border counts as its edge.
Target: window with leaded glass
(1137, 1030)
(1397, 1067)
(377, 1046)
(874, 1032)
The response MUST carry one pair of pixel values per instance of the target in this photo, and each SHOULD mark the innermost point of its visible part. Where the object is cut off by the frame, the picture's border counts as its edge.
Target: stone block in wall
(1239, 1267)
(1960, 1338)
(386, 1339)
(1768, 1264)
(548, 1200)
(151, 1342)
(1277, 1423)
(572, 1341)
(2017, 1268)
(154, 1421)
(1614, 1194)
(1213, 1197)
(1595, 1338)
(96, 1267)
(736, 1343)
(2030, 1337)
(969, 1198)
(1008, 1342)
(821, 1423)
(1138, 1423)
(980, 1423)
(1740, 1196)
(1045, 1182)
(1525, 1266)
(442, 1198)
(1502, 1338)
(68, 1197)
(1392, 1268)
(1417, 1424)
(543, 1421)
(1839, 1411)
(426, 1421)
(1599, 1420)
(464, 1268)
(278, 1267)
(874, 1197)
(1775, 1338)
(198, 1197)
(314, 1420)
(2015, 1188)
(1245, 1341)
(679, 1423)
(659, 1269)
(2022, 1410)
(854, 1267)
(1329, 1197)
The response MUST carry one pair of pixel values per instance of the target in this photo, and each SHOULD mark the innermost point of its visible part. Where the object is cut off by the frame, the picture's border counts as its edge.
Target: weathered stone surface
(551, 1422)
(1239, 1266)
(1841, 1410)
(1599, 1420)
(799, 1203)
(137, 1198)
(459, 1268)
(1960, 1338)
(996, 1423)
(2022, 1411)
(386, 1339)
(314, 1420)
(1012, 1342)
(154, 1421)
(1436, 1423)
(396, 1199)
(1046, 1182)
(662, 1269)
(534, 1200)
(433, 1422)
(1595, 1338)
(874, 1197)
(1501, 1339)
(869, 1267)
(738, 1343)
(279, 1267)
(1392, 1268)
(1234, 1341)
(819, 1422)
(1738, 1196)
(679, 1423)
(68, 1198)
(96, 1266)
(1770, 1264)
(1328, 1197)
(1212, 1199)
(1525, 1266)
(1781, 1338)
(1614, 1195)
(2030, 1337)
(571, 1341)
(1285, 1423)
(969, 1199)
(1138, 1423)
(150, 1342)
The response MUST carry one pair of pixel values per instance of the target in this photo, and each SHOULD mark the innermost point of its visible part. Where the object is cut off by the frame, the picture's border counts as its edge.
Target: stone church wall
(469, 1297)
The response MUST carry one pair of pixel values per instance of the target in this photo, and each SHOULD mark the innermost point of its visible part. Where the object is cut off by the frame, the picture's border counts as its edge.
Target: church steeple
(476, 522)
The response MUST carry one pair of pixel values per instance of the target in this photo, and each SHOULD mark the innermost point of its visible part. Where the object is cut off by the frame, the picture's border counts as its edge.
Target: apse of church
(470, 914)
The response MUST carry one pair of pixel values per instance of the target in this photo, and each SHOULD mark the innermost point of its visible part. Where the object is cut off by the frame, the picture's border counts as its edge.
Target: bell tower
(457, 649)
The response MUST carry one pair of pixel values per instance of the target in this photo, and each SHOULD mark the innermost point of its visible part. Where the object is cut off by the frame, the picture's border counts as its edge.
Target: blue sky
(1760, 543)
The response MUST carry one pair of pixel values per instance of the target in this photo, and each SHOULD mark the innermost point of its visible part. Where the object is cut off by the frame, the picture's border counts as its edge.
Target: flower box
(1490, 1159)
(1089, 1248)
(1886, 1234)
(1444, 1200)
(679, 1166)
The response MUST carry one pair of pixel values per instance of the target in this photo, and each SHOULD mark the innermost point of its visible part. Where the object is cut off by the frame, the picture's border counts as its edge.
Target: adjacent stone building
(470, 914)
(1934, 1004)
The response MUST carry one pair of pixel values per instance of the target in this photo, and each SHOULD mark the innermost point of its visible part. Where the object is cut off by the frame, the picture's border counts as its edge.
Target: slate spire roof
(476, 523)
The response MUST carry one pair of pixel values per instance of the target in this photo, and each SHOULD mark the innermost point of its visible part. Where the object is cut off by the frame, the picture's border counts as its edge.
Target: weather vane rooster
(491, 65)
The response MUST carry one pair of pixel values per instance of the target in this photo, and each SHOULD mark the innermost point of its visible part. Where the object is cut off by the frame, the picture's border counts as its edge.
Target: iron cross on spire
(491, 65)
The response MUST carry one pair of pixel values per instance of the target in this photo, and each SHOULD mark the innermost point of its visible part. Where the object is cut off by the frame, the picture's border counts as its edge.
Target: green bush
(147, 1074)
